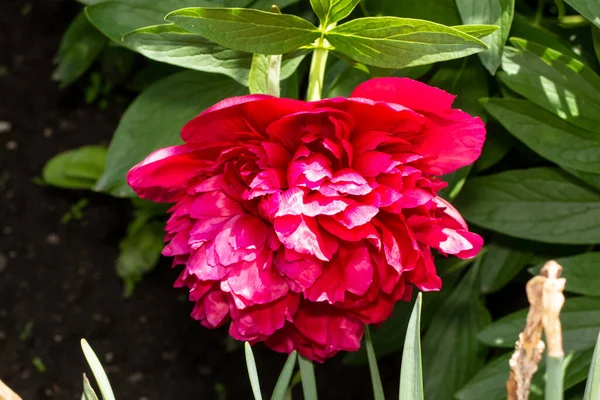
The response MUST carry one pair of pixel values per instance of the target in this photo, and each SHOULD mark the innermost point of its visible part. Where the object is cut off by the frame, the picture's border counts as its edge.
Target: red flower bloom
(302, 221)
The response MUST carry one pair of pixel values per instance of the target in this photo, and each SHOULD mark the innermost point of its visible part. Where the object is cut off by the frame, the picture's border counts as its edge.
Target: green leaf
(524, 28)
(155, 118)
(75, 169)
(342, 79)
(554, 382)
(411, 374)
(596, 41)
(496, 147)
(455, 180)
(174, 45)
(582, 272)
(373, 369)
(580, 318)
(590, 9)
(542, 204)
(283, 382)
(139, 250)
(331, 11)
(98, 371)
(477, 31)
(88, 391)
(592, 387)
(264, 74)
(252, 372)
(451, 354)
(560, 84)
(391, 42)
(500, 265)
(494, 12)
(587, 177)
(548, 135)
(79, 48)
(309, 383)
(247, 30)
(440, 11)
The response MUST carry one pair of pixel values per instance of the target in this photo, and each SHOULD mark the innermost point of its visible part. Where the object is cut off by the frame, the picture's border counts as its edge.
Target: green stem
(554, 378)
(317, 66)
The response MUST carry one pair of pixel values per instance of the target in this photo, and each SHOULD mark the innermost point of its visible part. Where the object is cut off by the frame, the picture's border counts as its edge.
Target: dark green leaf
(451, 354)
(542, 204)
(390, 42)
(500, 265)
(155, 118)
(411, 374)
(75, 169)
(526, 29)
(174, 45)
(139, 250)
(117, 64)
(440, 11)
(79, 48)
(580, 318)
(331, 11)
(343, 80)
(596, 40)
(493, 12)
(264, 74)
(588, 177)
(588, 8)
(497, 145)
(548, 135)
(247, 30)
(560, 84)
(455, 180)
(582, 273)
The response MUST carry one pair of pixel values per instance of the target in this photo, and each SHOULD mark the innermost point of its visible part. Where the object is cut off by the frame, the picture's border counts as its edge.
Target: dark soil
(57, 281)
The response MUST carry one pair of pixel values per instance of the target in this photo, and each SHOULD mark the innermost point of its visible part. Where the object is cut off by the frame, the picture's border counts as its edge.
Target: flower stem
(317, 68)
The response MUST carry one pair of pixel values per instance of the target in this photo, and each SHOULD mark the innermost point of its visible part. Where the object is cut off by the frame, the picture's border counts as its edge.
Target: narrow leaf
(580, 318)
(560, 142)
(542, 204)
(590, 9)
(390, 42)
(174, 45)
(478, 31)
(80, 46)
(247, 30)
(596, 40)
(592, 387)
(411, 373)
(155, 118)
(88, 391)
(309, 383)
(373, 369)
(98, 371)
(554, 379)
(252, 372)
(283, 382)
(331, 11)
(494, 12)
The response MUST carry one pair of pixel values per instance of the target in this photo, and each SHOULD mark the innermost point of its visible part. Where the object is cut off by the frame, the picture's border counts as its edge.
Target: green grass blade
(554, 378)
(375, 378)
(252, 372)
(592, 387)
(411, 374)
(283, 382)
(309, 383)
(98, 371)
(88, 392)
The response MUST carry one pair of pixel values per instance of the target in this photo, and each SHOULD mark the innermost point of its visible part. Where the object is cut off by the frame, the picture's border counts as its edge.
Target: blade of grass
(375, 378)
(283, 382)
(88, 392)
(252, 372)
(309, 383)
(98, 371)
(592, 387)
(411, 373)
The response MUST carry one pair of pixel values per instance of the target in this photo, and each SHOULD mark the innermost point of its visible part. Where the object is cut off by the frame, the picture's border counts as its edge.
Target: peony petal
(300, 270)
(303, 235)
(260, 321)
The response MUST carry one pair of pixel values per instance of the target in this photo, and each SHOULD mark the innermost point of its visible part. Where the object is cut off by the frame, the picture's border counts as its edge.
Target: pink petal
(300, 270)
(260, 321)
(302, 234)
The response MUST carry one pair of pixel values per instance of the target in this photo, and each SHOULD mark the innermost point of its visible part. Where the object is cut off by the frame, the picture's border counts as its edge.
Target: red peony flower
(300, 222)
